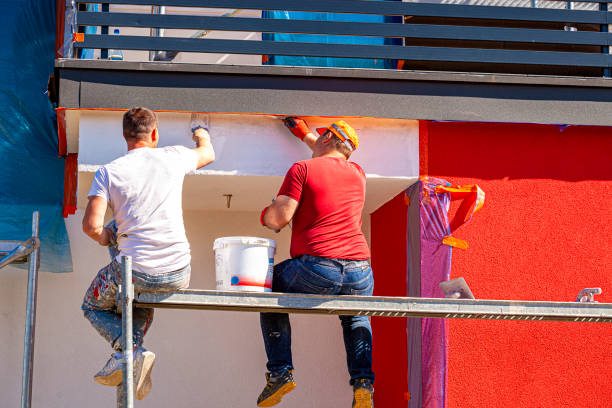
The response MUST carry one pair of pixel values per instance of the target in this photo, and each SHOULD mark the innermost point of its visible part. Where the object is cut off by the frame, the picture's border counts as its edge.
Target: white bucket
(244, 263)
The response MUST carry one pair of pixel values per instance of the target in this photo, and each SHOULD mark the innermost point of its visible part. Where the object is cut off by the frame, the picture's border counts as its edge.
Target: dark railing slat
(347, 50)
(606, 49)
(104, 30)
(391, 8)
(344, 28)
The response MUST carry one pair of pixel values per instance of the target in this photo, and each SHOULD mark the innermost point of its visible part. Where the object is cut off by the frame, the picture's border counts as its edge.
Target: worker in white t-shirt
(143, 189)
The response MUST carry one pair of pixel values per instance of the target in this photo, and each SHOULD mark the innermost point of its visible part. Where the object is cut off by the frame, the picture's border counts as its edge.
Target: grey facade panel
(336, 92)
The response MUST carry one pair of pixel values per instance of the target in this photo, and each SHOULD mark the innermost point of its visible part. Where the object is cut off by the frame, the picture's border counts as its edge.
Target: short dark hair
(138, 123)
(339, 145)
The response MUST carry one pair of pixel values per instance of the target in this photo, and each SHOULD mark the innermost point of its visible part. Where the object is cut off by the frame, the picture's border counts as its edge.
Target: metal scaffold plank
(379, 306)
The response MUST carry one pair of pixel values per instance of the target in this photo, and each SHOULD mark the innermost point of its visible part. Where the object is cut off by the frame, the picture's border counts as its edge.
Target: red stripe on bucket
(243, 282)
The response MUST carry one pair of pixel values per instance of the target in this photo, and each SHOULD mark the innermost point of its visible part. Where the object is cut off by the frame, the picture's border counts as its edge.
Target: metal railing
(15, 252)
(434, 33)
(338, 305)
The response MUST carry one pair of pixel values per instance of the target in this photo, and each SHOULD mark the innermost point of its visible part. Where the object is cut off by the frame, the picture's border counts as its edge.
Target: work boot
(276, 387)
(110, 374)
(143, 364)
(363, 394)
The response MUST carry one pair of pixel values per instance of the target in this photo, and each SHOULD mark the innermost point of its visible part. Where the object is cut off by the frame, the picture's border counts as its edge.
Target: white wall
(258, 149)
(256, 144)
(204, 358)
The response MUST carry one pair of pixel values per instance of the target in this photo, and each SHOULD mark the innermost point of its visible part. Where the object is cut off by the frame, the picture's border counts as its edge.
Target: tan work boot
(143, 364)
(276, 387)
(111, 374)
(363, 394)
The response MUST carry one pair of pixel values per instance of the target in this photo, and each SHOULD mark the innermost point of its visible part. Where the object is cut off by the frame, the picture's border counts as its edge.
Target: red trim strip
(60, 19)
(70, 185)
(61, 132)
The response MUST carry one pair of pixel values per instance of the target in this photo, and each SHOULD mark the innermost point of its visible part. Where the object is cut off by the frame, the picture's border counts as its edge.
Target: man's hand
(297, 126)
(199, 125)
(108, 237)
(199, 135)
(111, 237)
(300, 129)
(204, 148)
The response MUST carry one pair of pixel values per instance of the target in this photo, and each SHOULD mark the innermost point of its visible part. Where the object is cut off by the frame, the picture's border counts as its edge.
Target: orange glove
(297, 126)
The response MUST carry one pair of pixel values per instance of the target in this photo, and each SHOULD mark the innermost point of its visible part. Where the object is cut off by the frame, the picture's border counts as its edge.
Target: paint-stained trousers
(100, 301)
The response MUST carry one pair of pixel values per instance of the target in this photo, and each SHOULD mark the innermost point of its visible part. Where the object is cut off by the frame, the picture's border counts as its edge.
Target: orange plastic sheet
(472, 198)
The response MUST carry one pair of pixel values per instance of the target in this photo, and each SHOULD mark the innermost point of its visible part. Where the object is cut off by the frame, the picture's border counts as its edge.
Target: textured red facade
(390, 352)
(543, 234)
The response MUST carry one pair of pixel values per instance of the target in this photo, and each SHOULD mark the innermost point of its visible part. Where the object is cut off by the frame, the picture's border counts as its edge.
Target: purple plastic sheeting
(429, 263)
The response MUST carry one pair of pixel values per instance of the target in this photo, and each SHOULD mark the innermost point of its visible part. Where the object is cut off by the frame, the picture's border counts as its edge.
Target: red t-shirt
(327, 222)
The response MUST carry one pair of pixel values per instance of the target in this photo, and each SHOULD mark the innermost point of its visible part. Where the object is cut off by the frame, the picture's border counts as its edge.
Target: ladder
(338, 305)
(16, 252)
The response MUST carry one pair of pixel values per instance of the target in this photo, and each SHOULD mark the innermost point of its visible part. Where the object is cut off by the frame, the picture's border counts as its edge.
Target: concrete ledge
(90, 84)
(363, 73)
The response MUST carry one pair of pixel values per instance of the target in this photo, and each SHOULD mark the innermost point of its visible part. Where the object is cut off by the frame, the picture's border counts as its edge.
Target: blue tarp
(32, 175)
(331, 39)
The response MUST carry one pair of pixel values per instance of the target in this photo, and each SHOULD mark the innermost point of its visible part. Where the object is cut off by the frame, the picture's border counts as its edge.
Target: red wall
(544, 234)
(388, 238)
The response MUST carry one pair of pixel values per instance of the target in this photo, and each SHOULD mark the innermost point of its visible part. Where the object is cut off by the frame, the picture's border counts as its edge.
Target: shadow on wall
(495, 151)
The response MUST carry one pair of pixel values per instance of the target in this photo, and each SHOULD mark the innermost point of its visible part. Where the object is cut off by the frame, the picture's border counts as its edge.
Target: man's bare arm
(310, 140)
(204, 148)
(280, 212)
(93, 221)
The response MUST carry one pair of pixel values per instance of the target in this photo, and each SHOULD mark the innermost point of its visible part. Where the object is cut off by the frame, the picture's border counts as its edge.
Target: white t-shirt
(144, 190)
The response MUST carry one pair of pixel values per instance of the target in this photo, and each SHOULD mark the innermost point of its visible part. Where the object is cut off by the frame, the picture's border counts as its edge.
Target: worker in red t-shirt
(324, 197)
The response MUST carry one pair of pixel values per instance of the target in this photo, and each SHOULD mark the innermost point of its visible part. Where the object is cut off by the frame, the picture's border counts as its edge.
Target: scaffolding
(338, 305)
(17, 252)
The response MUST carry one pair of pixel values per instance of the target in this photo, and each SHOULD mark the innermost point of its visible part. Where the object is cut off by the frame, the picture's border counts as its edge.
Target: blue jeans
(315, 275)
(100, 301)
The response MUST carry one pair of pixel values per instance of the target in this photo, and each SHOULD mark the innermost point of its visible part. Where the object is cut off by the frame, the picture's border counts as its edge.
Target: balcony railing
(433, 36)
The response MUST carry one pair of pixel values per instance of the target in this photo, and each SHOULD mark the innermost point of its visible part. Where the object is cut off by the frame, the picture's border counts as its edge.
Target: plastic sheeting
(32, 175)
(429, 263)
(330, 39)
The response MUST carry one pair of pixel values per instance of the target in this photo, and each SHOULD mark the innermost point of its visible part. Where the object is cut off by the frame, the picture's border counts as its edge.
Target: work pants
(316, 275)
(100, 301)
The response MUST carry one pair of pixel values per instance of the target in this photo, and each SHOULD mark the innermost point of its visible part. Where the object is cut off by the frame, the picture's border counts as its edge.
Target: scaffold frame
(17, 252)
(591, 312)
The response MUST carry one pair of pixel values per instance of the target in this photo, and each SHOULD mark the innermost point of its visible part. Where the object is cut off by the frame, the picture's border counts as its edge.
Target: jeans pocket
(306, 284)
(364, 286)
(315, 278)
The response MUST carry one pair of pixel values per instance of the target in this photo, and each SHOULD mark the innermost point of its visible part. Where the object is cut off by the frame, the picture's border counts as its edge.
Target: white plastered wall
(253, 153)
(205, 358)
